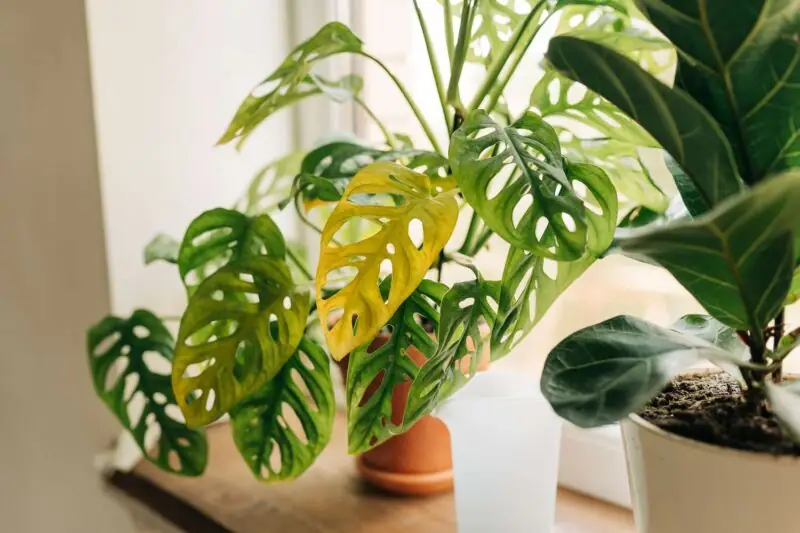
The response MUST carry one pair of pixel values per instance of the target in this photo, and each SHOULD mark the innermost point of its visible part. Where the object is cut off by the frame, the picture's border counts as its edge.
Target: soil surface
(709, 407)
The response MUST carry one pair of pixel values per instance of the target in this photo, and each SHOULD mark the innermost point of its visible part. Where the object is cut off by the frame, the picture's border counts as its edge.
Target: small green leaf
(677, 122)
(794, 288)
(737, 260)
(258, 318)
(270, 185)
(785, 403)
(262, 423)
(130, 360)
(161, 248)
(712, 331)
(602, 373)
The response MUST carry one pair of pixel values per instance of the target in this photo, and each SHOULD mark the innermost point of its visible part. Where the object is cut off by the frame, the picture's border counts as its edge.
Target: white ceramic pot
(680, 485)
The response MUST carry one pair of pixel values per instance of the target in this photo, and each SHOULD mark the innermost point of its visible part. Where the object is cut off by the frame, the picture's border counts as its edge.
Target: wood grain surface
(329, 498)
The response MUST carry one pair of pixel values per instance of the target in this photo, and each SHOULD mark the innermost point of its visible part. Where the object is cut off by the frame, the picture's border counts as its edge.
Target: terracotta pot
(679, 485)
(417, 462)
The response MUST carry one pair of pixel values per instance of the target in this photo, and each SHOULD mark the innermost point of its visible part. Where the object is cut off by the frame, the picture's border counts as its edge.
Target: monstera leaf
(465, 308)
(429, 201)
(219, 236)
(161, 248)
(270, 185)
(273, 446)
(262, 317)
(292, 80)
(515, 179)
(743, 67)
(531, 284)
(130, 364)
(373, 375)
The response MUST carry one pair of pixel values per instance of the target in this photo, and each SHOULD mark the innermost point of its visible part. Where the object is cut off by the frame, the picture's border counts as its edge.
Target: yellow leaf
(428, 200)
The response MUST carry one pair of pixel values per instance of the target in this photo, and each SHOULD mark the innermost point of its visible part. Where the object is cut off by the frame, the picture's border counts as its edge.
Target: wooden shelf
(329, 498)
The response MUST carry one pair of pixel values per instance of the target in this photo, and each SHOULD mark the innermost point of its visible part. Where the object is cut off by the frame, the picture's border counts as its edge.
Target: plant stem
(417, 113)
(484, 236)
(437, 78)
(780, 326)
(468, 9)
(473, 226)
(448, 30)
(298, 263)
(390, 140)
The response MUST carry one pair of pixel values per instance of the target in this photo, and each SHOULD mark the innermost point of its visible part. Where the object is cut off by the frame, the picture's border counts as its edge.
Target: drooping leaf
(742, 64)
(465, 307)
(130, 363)
(292, 81)
(601, 373)
(162, 247)
(785, 403)
(678, 123)
(531, 284)
(373, 375)
(416, 197)
(270, 185)
(273, 446)
(262, 317)
(515, 179)
(219, 236)
(737, 260)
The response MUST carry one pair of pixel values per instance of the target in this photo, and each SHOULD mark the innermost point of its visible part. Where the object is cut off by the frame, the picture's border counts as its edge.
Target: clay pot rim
(691, 443)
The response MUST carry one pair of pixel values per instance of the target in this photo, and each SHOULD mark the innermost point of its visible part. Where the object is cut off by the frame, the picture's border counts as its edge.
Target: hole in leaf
(293, 421)
(174, 461)
(390, 249)
(183, 442)
(593, 17)
(216, 329)
(195, 369)
(287, 303)
(541, 227)
(151, 437)
(210, 399)
(416, 232)
(217, 296)
(115, 372)
(499, 181)
(466, 302)
(569, 222)
(554, 91)
(300, 383)
(216, 234)
(607, 119)
(305, 360)
(341, 274)
(576, 93)
(593, 208)
(373, 386)
(252, 297)
(494, 150)
(160, 398)
(106, 344)
(521, 209)
(483, 132)
(574, 20)
(550, 268)
(157, 363)
(174, 412)
(523, 285)
(131, 381)
(247, 278)
(275, 457)
(141, 331)
(135, 408)
(532, 305)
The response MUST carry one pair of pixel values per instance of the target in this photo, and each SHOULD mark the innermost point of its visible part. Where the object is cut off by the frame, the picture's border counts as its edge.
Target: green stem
(484, 236)
(780, 327)
(417, 113)
(390, 139)
(473, 226)
(460, 55)
(448, 30)
(298, 263)
(437, 78)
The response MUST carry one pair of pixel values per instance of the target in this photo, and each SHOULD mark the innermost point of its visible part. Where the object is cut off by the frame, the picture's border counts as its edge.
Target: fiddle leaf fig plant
(730, 127)
(262, 323)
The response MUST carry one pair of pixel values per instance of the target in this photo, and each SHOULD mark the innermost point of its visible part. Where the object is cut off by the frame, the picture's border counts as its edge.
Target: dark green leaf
(785, 403)
(263, 423)
(130, 361)
(161, 248)
(677, 122)
(693, 199)
(257, 317)
(737, 260)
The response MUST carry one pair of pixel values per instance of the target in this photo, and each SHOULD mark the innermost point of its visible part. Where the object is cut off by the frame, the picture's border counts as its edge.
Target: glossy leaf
(738, 259)
(531, 284)
(693, 199)
(130, 362)
(262, 317)
(373, 375)
(416, 197)
(280, 430)
(677, 122)
(219, 236)
(515, 179)
(292, 81)
(270, 185)
(785, 403)
(465, 307)
(602, 373)
(743, 66)
(712, 331)
(161, 248)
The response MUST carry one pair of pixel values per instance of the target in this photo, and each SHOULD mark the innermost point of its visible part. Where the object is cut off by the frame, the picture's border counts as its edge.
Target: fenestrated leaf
(372, 376)
(162, 247)
(601, 373)
(292, 81)
(263, 423)
(742, 64)
(263, 317)
(737, 259)
(430, 201)
(219, 236)
(785, 403)
(514, 177)
(270, 185)
(130, 363)
(531, 284)
(678, 123)
(465, 307)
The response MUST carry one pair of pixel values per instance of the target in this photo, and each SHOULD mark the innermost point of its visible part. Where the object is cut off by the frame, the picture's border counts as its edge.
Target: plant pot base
(406, 483)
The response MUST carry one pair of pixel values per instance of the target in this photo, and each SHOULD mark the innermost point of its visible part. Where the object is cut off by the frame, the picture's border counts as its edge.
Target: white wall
(167, 77)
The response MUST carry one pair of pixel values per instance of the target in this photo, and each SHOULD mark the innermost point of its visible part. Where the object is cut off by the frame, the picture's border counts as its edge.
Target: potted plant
(706, 451)
(249, 343)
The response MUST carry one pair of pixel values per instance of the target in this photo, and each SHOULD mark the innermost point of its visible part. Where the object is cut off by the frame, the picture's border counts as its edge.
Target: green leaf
(712, 331)
(258, 318)
(677, 122)
(130, 361)
(161, 248)
(292, 81)
(602, 373)
(785, 403)
(515, 179)
(794, 288)
(270, 185)
(531, 284)
(219, 236)
(692, 197)
(743, 66)
(372, 376)
(465, 307)
(737, 260)
(273, 447)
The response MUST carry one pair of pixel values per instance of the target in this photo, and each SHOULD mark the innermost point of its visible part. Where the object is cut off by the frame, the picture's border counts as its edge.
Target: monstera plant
(249, 344)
